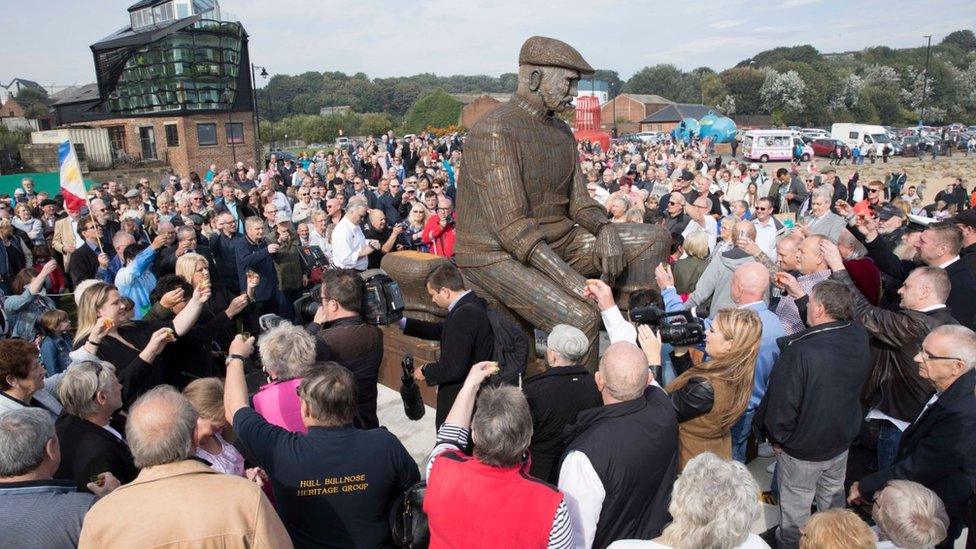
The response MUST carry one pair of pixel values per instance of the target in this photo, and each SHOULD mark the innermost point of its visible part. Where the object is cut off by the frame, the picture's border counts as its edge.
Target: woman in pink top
(287, 352)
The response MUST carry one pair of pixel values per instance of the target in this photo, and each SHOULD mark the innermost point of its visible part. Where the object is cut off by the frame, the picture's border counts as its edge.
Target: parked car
(282, 156)
(913, 145)
(826, 147)
(814, 133)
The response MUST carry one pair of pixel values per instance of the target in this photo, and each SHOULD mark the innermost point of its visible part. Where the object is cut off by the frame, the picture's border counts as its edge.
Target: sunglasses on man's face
(760, 208)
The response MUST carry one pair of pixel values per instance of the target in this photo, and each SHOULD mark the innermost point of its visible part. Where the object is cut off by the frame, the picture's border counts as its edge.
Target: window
(116, 135)
(172, 135)
(235, 133)
(206, 134)
(852, 135)
(163, 13)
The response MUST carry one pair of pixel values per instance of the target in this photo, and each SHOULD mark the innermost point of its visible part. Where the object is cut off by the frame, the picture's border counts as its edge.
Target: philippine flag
(72, 184)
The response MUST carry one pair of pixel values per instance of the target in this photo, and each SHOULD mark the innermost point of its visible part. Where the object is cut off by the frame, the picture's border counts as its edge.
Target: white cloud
(382, 39)
(725, 23)
(796, 3)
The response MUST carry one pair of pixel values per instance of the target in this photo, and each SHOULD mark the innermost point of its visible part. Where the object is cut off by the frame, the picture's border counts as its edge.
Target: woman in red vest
(488, 500)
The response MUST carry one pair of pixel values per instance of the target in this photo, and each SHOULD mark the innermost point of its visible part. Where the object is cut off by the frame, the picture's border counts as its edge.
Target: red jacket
(440, 239)
(473, 505)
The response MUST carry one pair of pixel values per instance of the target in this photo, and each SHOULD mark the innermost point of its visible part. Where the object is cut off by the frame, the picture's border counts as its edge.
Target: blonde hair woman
(688, 269)
(195, 269)
(132, 347)
(710, 396)
(206, 395)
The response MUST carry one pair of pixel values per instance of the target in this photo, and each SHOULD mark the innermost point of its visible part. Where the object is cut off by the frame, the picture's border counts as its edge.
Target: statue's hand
(609, 252)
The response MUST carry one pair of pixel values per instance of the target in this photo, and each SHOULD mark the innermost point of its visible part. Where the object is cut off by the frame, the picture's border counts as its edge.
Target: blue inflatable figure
(686, 130)
(720, 129)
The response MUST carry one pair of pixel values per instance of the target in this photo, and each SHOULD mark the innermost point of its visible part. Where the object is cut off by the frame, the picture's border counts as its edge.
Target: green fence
(49, 182)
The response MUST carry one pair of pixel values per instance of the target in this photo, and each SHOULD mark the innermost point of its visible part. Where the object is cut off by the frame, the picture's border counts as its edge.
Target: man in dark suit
(87, 260)
(222, 249)
(90, 445)
(254, 254)
(465, 335)
(938, 450)
(939, 247)
(186, 242)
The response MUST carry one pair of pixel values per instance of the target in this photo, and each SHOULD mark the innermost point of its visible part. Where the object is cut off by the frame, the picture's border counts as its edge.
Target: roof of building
(87, 92)
(647, 99)
(675, 112)
(26, 83)
(146, 4)
(467, 98)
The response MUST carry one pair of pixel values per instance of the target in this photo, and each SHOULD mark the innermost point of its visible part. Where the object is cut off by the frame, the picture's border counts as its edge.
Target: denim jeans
(740, 436)
(888, 438)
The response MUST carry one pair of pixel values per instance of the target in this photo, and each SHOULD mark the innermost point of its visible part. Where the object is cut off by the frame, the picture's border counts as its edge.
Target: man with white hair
(191, 503)
(622, 459)
(350, 248)
(35, 510)
(556, 396)
(938, 449)
(908, 514)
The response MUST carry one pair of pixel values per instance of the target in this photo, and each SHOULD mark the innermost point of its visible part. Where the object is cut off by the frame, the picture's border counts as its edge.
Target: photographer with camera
(386, 236)
(440, 230)
(353, 343)
(747, 288)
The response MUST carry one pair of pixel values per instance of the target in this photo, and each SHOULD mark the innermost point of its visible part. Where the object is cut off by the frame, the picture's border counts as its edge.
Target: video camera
(314, 262)
(679, 328)
(382, 300)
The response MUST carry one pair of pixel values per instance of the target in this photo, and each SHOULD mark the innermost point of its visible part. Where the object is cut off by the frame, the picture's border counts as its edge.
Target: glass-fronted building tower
(172, 85)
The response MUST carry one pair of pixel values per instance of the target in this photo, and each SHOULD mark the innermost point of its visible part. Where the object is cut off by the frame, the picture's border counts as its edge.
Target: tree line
(796, 85)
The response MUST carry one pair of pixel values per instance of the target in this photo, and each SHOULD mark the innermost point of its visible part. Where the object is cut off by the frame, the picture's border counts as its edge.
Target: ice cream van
(766, 145)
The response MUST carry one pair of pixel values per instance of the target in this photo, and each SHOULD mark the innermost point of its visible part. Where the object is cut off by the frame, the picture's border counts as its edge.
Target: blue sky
(48, 41)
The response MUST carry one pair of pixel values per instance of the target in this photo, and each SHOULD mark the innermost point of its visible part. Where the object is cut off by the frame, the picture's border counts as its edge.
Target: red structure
(586, 121)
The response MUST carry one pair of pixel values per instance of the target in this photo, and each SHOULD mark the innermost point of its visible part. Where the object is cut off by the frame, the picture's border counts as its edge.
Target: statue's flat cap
(550, 52)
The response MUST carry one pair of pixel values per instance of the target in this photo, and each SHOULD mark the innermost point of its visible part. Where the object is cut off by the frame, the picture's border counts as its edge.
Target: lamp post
(614, 109)
(254, 96)
(925, 81)
(230, 123)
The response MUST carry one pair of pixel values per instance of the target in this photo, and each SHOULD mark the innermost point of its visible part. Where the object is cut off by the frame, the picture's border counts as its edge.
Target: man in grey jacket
(715, 282)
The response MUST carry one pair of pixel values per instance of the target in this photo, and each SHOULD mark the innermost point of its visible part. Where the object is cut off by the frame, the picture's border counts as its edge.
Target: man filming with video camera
(358, 346)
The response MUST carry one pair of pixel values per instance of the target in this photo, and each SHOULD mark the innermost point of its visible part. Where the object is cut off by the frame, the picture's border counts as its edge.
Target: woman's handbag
(408, 521)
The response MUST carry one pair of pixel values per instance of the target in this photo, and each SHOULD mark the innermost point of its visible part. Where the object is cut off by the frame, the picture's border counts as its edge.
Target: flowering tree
(782, 92)
(849, 93)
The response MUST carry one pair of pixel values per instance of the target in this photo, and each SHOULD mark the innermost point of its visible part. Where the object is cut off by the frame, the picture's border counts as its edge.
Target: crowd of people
(838, 320)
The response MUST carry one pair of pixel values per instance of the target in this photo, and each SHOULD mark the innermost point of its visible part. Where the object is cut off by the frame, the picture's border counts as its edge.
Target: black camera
(382, 301)
(679, 328)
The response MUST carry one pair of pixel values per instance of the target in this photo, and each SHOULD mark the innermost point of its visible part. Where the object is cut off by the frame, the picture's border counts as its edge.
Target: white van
(864, 136)
(766, 145)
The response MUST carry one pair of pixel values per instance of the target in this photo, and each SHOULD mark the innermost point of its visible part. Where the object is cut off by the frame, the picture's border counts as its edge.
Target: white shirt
(113, 431)
(766, 237)
(710, 228)
(316, 239)
(950, 262)
(79, 241)
(584, 496)
(347, 240)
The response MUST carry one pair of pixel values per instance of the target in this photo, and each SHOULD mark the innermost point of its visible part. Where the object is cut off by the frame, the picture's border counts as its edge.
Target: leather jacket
(894, 386)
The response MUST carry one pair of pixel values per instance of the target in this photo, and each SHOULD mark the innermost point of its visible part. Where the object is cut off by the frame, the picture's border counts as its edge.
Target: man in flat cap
(528, 232)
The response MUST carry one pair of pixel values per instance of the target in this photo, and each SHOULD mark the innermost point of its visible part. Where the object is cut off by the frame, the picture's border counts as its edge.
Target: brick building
(477, 105)
(11, 109)
(174, 85)
(630, 109)
(667, 119)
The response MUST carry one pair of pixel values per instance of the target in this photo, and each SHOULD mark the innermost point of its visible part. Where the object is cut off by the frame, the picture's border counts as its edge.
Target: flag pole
(92, 214)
